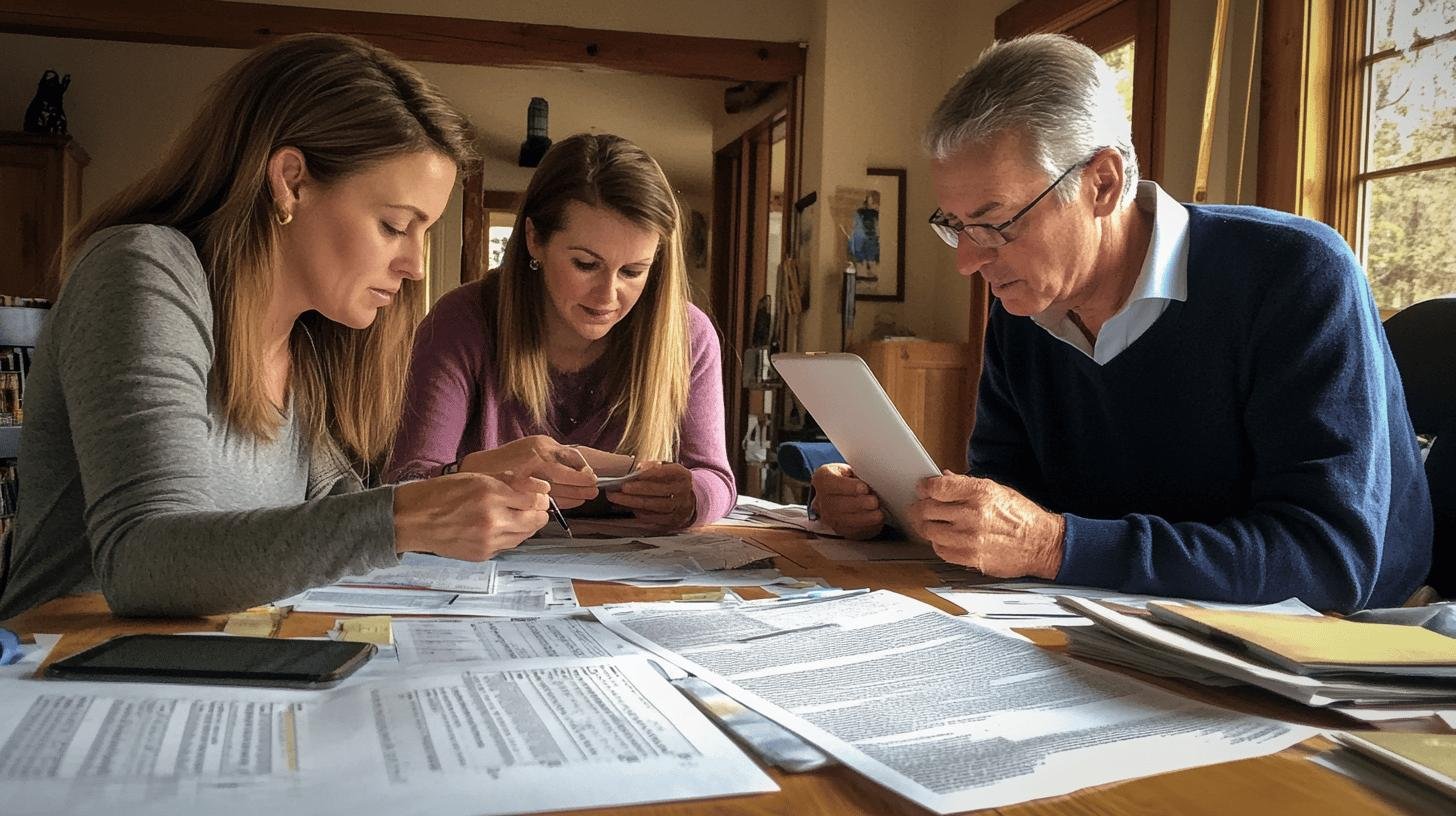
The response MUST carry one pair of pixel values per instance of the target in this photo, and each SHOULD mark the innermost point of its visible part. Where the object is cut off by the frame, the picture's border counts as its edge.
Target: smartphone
(220, 660)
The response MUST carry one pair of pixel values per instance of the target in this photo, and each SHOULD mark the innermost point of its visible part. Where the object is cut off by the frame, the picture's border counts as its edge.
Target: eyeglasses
(989, 235)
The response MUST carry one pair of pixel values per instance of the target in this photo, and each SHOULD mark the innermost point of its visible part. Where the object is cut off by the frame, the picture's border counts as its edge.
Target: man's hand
(845, 503)
(571, 478)
(988, 527)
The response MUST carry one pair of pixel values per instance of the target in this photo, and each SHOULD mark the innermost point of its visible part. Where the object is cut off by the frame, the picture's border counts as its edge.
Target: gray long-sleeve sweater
(133, 483)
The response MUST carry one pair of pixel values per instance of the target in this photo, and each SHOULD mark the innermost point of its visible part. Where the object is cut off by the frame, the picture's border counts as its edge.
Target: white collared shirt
(1163, 279)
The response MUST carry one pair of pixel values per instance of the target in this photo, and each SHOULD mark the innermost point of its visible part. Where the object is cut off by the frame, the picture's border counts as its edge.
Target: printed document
(946, 713)
(657, 558)
(511, 737)
(423, 571)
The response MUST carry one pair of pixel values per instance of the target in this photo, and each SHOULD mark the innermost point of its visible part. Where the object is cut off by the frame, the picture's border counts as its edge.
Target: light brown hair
(346, 106)
(647, 352)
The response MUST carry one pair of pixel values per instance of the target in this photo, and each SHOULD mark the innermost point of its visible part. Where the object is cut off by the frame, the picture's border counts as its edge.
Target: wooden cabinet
(930, 384)
(40, 200)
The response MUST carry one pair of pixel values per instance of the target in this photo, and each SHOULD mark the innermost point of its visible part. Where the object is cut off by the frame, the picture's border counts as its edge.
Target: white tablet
(858, 417)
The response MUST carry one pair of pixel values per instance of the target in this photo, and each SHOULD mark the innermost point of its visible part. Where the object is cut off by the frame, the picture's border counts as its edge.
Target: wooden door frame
(738, 276)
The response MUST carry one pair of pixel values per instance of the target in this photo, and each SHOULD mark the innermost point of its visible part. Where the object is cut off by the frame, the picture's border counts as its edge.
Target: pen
(748, 638)
(555, 513)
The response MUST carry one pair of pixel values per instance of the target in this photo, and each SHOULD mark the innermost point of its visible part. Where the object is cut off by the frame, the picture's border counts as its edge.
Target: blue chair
(1423, 339)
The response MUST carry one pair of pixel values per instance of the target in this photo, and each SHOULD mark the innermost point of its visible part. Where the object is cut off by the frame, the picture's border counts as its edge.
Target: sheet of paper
(512, 737)
(1038, 608)
(941, 711)
(875, 551)
(1005, 611)
(31, 656)
(1291, 606)
(422, 642)
(382, 601)
(665, 558)
(432, 572)
(755, 512)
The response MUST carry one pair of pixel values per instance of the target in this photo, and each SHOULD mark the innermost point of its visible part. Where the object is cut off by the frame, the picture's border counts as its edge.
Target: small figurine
(45, 114)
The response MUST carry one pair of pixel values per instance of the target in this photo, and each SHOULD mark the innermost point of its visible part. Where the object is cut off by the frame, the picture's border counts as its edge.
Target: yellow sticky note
(715, 595)
(251, 624)
(376, 629)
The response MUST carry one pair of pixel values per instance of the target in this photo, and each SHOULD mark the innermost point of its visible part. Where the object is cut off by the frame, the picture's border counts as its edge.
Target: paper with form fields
(514, 596)
(947, 714)
(512, 737)
(432, 572)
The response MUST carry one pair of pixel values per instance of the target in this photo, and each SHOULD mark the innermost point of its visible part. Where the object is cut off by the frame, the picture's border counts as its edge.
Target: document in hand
(1323, 645)
(946, 713)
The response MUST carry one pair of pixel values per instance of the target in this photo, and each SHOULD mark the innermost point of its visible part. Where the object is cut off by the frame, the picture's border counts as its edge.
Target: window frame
(1351, 74)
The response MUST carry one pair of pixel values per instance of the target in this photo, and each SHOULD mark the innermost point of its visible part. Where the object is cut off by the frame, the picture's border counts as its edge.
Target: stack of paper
(1159, 648)
(422, 571)
(1322, 647)
(762, 513)
(1023, 605)
(514, 596)
(1426, 759)
(694, 559)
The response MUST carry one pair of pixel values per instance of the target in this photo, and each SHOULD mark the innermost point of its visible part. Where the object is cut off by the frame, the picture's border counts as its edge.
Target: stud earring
(534, 264)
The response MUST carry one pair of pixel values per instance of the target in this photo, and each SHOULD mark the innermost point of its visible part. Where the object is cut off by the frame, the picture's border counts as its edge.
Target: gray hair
(1055, 93)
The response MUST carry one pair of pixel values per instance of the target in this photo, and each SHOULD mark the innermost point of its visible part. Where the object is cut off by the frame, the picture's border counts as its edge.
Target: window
(1405, 227)
(1121, 59)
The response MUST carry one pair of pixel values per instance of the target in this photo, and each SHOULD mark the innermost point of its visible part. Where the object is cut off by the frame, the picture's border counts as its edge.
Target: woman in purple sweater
(581, 351)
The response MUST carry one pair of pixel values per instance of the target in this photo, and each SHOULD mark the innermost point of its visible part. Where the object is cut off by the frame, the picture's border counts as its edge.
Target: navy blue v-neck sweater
(1252, 445)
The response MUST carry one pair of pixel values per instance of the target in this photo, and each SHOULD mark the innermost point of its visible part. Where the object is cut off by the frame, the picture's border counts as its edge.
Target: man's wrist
(1053, 547)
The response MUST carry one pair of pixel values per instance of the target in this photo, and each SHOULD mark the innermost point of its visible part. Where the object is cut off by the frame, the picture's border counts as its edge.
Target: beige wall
(875, 72)
(126, 100)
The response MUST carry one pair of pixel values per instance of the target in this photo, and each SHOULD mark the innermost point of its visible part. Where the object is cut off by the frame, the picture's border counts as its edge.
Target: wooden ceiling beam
(454, 40)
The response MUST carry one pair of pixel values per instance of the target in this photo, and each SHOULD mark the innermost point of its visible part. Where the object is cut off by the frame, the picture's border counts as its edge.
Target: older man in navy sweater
(1176, 400)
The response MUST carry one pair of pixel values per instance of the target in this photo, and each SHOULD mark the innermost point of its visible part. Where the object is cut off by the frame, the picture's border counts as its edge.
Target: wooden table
(1284, 783)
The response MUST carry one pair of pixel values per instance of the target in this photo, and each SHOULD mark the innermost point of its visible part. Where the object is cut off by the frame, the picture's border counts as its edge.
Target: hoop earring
(534, 264)
(282, 217)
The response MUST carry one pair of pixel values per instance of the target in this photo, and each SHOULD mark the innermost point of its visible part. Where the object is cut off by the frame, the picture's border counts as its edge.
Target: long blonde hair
(647, 362)
(346, 106)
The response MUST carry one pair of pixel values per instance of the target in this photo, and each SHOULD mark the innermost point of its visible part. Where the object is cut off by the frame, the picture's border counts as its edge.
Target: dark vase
(45, 114)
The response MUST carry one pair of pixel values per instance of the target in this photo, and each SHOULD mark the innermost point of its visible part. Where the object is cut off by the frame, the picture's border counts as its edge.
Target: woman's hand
(572, 480)
(468, 516)
(661, 497)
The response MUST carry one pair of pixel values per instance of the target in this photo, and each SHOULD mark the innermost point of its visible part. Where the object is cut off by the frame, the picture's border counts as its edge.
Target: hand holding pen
(572, 480)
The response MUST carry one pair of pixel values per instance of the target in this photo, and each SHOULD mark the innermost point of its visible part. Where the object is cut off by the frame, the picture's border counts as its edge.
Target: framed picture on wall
(877, 238)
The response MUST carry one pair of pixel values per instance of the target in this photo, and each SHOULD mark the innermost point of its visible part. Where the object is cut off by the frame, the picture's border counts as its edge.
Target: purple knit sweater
(453, 405)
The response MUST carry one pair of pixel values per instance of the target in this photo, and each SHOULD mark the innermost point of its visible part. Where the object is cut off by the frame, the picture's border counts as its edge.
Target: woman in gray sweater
(225, 364)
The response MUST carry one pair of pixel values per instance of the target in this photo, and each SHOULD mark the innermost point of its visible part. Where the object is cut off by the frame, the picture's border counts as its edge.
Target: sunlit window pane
(1410, 237)
(1413, 107)
(1397, 23)
(1120, 60)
